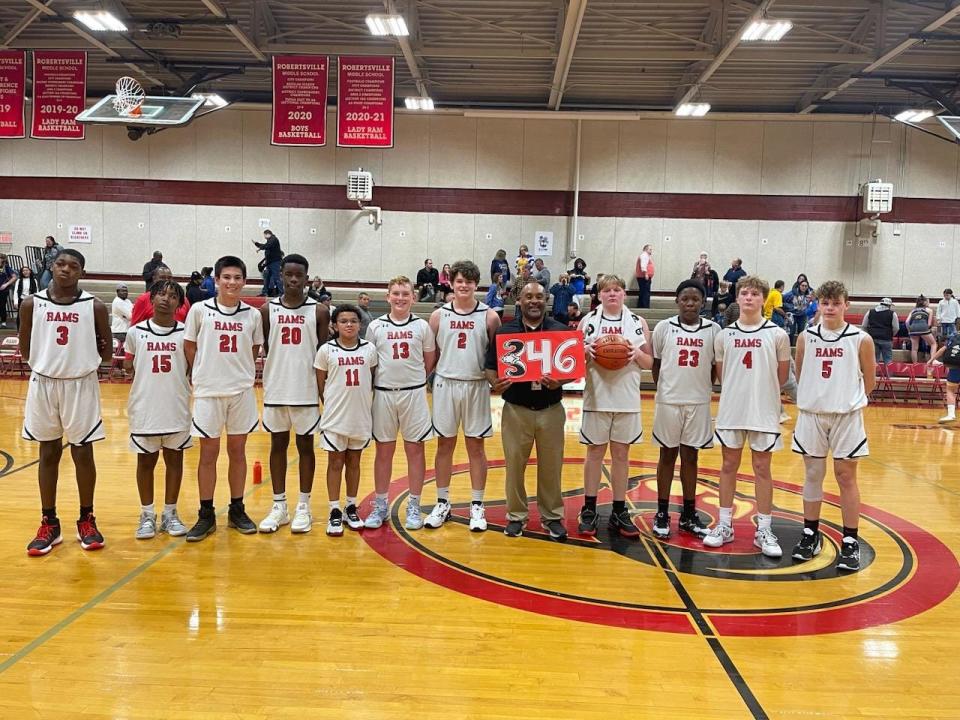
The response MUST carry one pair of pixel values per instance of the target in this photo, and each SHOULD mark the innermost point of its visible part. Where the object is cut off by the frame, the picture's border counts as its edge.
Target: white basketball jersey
(288, 374)
(830, 379)
(750, 388)
(400, 348)
(348, 393)
(612, 390)
(225, 337)
(159, 401)
(462, 340)
(686, 361)
(63, 340)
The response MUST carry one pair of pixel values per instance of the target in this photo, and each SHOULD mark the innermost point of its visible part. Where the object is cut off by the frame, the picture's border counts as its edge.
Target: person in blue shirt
(578, 276)
(500, 265)
(494, 299)
(563, 296)
(207, 283)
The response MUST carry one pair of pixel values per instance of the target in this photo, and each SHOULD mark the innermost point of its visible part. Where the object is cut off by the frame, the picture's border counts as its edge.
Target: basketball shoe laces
(86, 527)
(46, 531)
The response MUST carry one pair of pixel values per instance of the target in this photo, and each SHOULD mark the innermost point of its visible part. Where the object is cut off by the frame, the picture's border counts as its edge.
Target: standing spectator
(143, 307)
(524, 258)
(702, 259)
(272, 256)
(444, 284)
(317, 289)
(7, 278)
(495, 294)
(540, 273)
(522, 278)
(730, 279)
(948, 311)
(919, 324)
(427, 281)
(595, 292)
(563, 298)
(363, 305)
(644, 274)
(500, 265)
(707, 276)
(195, 291)
(120, 311)
(578, 276)
(797, 302)
(50, 251)
(881, 323)
(773, 306)
(801, 278)
(150, 268)
(25, 286)
(208, 285)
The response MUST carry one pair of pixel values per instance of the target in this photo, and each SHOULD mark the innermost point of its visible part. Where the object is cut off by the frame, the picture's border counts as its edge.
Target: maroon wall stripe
(492, 202)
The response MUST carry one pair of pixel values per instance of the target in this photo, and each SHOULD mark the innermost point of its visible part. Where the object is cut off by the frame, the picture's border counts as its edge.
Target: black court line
(696, 614)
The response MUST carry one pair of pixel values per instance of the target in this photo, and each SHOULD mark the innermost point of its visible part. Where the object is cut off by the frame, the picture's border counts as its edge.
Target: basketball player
(684, 371)
(950, 352)
(406, 354)
(753, 359)
(345, 369)
(611, 405)
(158, 408)
(222, 339)
(836, 368)
(461, 395)
(293, 327)
(65, 335)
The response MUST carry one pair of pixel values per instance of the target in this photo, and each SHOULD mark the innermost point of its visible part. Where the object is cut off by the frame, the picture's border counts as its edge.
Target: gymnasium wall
(778, 194)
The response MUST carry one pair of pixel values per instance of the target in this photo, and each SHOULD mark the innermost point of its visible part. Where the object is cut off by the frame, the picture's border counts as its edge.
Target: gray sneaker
(148, 526)
(414, 520)
(172, 525)
(556, 529)
(378, 515)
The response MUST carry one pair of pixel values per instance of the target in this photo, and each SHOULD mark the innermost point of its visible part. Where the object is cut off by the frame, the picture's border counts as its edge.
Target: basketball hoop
(129, 97)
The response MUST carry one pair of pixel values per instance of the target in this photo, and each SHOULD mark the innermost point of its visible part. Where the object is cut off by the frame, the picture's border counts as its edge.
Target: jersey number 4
(228, 343)
(290, 335)
(689, 358)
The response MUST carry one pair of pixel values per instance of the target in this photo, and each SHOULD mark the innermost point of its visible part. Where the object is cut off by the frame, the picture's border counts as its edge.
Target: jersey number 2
(461, 341)
(353, 377)
(689, 358)
(228, 343)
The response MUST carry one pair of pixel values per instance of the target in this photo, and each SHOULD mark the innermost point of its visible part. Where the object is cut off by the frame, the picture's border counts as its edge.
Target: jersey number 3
(689, 358)
(63, 333)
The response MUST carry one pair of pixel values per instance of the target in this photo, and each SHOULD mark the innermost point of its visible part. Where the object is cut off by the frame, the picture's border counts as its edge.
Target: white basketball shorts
(403, 412)
(237, 414)
(816, 434)
(335, 442)
(148, 444)
(58, 408)
(676, 425)
(302, 419)
(599, 428)
(758, 441)
(463, 403)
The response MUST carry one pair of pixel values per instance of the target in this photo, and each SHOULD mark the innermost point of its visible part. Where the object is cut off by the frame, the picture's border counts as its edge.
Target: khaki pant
(522, 428)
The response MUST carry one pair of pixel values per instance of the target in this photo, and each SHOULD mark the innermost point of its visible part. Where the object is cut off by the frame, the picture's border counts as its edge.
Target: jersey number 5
(228, 343)
(826, 369)
(689, 358)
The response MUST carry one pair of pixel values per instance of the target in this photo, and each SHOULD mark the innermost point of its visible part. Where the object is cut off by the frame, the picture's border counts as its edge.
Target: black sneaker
(47, 537)
(206, 525)
(661, 524)
(556, 529)
(238, 519)
(809, 546)
(514, 528)
(589, 520)
(624, 524)
(849, 555)
(352, 518)
(87, 533)
(335, 523)
(693, 524)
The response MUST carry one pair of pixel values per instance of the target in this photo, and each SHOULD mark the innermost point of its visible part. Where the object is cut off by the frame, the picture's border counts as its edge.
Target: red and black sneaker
(622, 523)
(87, 533)
(47, 536)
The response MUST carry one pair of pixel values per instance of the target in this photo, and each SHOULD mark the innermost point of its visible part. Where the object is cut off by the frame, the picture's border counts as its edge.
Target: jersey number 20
(290, 336)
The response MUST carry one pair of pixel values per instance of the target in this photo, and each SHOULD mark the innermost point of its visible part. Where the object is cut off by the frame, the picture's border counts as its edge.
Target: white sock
(415, 499)
(351, 501)
(476, 496)
(726, 516)
(169, 508)
(151, 508)
(304, 498)
(764, 521)
(280, 497)
(334, 504)
(951, 410)
(443, 494)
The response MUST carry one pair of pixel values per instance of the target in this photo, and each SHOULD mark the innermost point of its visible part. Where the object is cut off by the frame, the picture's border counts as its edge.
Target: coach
(532, 413)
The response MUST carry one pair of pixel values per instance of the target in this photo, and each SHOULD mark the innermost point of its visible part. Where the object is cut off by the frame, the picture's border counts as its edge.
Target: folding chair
(937, 389)
(884, 384)
(116, 365)
(904, 371)
(10, 358)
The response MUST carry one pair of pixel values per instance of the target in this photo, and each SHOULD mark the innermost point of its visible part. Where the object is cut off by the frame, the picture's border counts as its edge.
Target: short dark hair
(338, 311)
(296, 259)
(77, 254)
(780, 283)
(159, 269)
(163, 286)
(230, 261)
(466, 268)
(206, 270)
(696, 285)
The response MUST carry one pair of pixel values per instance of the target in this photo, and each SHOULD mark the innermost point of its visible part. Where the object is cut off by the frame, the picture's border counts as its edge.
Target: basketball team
(375, 388)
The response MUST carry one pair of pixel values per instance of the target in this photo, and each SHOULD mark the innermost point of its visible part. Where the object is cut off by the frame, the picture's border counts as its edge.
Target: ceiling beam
(572, 20)
(24, 23)
(216, 9)
(413, 27)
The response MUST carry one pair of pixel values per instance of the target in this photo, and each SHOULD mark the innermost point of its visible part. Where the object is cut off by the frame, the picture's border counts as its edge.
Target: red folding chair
(901, 371)
(116, 365)
(937, 389)
(884, 384)
(10, 358)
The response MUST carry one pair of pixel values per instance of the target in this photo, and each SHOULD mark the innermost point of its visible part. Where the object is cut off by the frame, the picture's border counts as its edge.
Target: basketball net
(129, 97)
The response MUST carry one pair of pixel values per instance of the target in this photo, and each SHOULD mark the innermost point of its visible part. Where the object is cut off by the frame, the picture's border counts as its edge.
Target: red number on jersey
(401, 350)
(826, 370)
(162, 364)
(63, 332)
(748, 360)
(353, 377)
(290, 335)
(461, 341)
(228, 343)
(689, 358)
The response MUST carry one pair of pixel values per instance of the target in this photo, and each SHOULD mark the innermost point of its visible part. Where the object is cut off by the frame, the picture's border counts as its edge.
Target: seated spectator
(428, 282)
(445, 282)
(708, 277)
(500, 265)
(318, 289)
(143, 308)
(208, 285)
(578, 278)
(496, 293)
(195, 291)
(563, 296)
(574, 316)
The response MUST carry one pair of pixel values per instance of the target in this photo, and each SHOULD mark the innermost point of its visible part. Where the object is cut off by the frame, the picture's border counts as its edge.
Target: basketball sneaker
(556, 529)
(277, 517)
(438, 516)
(47, 537)
(206, 525)
(238, 519)
(378, 516)
(767, 542)
(693, 524)
(354, 521)
(718, 535)
(478, 517)
(414, 520)
(661, 524)
(148, 526)
(172, 525)
(849, 555)
(514, 528)
(87, 533)
(302, 519)
(623, 524)
(589, 520)
(809, 546)
(335, 523)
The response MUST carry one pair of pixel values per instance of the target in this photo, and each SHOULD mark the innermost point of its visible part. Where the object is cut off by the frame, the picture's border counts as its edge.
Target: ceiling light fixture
(210, 99)
(766, 30)
(386, 24)
(692, 109)
(913, 116)
(418, 103)
(100, 21)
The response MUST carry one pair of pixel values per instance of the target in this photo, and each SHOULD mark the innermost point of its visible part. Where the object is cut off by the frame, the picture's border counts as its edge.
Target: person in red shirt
(143, 308)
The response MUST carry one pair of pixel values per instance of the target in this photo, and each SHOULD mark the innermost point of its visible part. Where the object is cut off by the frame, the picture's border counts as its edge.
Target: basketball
(612, 352)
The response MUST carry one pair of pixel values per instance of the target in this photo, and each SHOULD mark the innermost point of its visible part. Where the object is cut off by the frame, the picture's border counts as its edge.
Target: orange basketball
(612, 352)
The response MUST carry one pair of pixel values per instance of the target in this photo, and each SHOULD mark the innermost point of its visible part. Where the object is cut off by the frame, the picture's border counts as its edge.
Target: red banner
(531, 356)
(59, 94)
(365, 102)
(299, 100)
(13, 86)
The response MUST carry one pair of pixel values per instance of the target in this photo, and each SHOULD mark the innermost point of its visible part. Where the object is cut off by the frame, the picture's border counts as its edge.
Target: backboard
(156, 111)
(951, 123)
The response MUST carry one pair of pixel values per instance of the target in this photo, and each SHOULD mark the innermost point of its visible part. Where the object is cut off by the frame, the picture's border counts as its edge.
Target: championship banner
(299, 100)
(365, 102)
(59, 94)
(13, 87)
(531, 356)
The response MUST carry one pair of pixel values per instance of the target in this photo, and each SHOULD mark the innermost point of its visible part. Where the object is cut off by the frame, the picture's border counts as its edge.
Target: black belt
(412, 387)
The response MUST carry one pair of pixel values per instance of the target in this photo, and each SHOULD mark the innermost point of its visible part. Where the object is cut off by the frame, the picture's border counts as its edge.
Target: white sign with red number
(532, 356)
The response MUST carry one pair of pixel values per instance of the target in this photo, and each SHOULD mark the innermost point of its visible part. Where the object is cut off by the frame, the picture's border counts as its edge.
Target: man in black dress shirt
(532, 413)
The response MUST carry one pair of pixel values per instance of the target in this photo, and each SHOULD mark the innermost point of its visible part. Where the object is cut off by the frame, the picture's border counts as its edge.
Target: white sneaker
(378, 515)
(335, 524)
(302, 519)
(478, 517)
(768, 543)
(438, 516)
(148, 526)
(948, 418)
(414, 521)
(718, 536)
(172, 525)
(277, 516)
(352, 518)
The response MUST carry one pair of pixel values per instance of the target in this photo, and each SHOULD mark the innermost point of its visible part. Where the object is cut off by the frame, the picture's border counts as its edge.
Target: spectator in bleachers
(707, 276)
(143, 308)
(50, 251)
(318, 289)
(496, 293)
(563, 296)
(881, 323)
(120, 311)
(363, 305)
(574, 316)
(728, 286)
(948, 311)
(444, 285)
(272, 257)
(7, 278)
(773, 306)
(500, 265)
(797, 303)
(702, 259)
(524, 258)
(919, 325)
(149, 269)
(540, 273)
(578, 278)
(208, 285)
(195, 291)
(25, 286)
(801, 278)
(595, 292)
(428, 279)
(644, 275)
